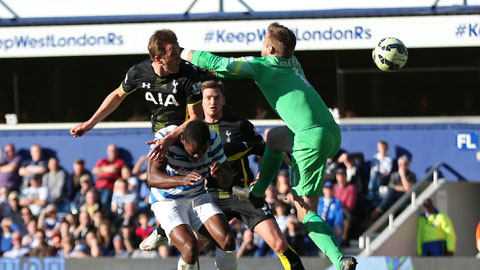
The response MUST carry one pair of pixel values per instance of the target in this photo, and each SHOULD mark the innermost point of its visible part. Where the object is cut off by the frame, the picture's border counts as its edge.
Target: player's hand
(215, 169)
(159, 150)
(80, 129)
(191, 179)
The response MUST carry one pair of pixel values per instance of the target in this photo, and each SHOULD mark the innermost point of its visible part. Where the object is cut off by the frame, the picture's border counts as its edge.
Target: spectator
(27, 215)
(331, 210)
(143, 230)
(330, 168)
(13, 211)
(65, 229)
(6, 235)
(128, 216)
(67, 248)
(91, 204)
(120, 251)
(247, 248)
(130, 241)
(36, 196)
(435, 233)
(281, 214)
(29, 237)
(400, 182)
(79, 200)
(9, 168)
(107, 170)
(41, 247)
(344, 191)
(55, 180)
(35, 166)
(121, 197)
(90, 248)
(354, 171)
(104, 237)
(380, 170)
(347, 195)
(72, 222)
(283, 187)
(84, 225)
(74, 183)
(98, 218)
(17, 251)
(271, 195)
(49, 222)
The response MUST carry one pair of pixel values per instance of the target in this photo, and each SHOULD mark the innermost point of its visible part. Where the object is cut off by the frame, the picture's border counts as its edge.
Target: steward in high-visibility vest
(435, 234)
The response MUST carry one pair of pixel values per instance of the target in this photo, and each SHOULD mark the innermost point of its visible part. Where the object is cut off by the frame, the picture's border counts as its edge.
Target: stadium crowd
(47, 212)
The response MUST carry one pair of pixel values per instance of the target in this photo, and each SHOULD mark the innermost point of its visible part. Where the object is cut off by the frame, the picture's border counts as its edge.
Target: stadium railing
(365, 239)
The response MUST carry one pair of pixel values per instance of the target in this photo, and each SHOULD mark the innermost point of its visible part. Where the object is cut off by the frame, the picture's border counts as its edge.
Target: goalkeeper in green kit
(311, 133)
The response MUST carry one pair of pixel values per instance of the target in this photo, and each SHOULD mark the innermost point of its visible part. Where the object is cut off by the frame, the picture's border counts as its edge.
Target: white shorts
(193, 211)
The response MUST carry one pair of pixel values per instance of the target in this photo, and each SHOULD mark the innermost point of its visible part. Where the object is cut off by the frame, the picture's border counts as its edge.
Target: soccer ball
(390, 54)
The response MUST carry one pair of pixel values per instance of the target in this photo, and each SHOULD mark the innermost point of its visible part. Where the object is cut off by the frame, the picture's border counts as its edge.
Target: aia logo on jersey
(161, 99)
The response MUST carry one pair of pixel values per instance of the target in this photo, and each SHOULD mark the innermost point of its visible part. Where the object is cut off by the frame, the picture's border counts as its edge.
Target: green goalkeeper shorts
(311, 148)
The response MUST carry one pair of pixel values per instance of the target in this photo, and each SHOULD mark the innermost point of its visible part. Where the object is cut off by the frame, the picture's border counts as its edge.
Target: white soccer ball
(390, 54)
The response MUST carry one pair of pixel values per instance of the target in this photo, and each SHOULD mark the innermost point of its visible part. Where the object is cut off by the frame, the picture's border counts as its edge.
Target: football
(390, 54)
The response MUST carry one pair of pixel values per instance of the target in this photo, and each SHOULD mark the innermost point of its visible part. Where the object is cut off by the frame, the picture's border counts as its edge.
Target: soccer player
(240, 140)
(179, 199)
(170, 86)
(312, 133)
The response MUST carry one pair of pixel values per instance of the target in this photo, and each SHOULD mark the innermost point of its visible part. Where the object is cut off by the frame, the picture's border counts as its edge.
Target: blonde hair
(282, 39)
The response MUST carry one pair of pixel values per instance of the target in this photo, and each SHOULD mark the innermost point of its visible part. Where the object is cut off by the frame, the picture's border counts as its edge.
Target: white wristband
(184, 54)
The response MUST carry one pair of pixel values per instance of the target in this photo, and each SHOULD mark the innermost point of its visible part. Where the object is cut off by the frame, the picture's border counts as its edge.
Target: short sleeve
(193, 85)
(217, 152)
(128, 84)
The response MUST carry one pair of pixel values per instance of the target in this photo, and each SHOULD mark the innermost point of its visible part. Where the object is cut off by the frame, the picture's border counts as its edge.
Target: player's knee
(228, 243)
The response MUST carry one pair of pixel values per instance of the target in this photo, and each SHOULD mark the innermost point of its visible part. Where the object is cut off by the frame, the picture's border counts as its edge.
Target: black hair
(196, 131)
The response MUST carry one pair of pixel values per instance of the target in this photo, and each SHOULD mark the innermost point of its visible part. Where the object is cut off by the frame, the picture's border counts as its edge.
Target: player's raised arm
(109, 104)
(225, 67)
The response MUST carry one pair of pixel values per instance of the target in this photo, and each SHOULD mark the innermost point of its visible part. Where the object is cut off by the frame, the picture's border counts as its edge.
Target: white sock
(226, 260)
(185, 266)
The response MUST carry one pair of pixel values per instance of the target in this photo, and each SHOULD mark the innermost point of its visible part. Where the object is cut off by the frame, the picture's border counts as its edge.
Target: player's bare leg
(184, 239)
(270, 232)
(217, 229)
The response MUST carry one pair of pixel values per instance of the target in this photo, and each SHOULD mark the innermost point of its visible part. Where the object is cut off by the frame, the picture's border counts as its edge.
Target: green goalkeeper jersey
(281, 81)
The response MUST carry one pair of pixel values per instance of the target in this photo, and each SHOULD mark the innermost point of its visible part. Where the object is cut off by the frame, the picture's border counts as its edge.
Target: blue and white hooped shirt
(180, 165)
